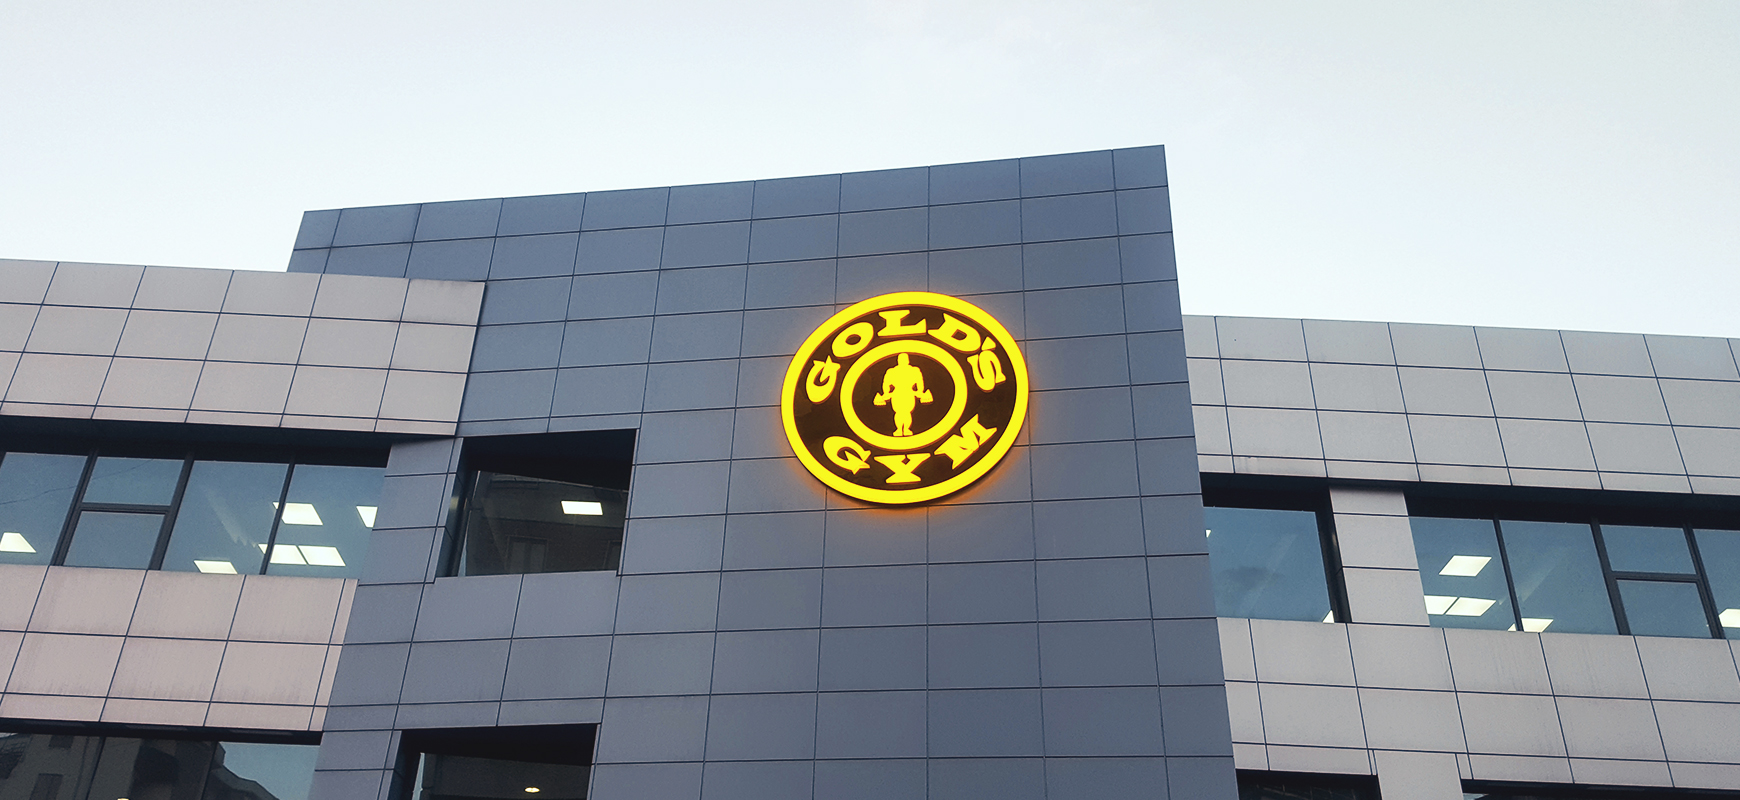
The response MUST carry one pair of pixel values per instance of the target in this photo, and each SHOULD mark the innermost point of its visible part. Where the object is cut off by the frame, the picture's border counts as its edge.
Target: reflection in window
(1720, 551)
(51, 767)
(114, 539)
(1557, 577)
(1578, 577)
(520, 524)
(328, 513)
(1634, 548)
(1663, 608)
(133, 481)
(36, 490)
(225, 517)
(1462, 573)
(225, 514)
(1268, 564)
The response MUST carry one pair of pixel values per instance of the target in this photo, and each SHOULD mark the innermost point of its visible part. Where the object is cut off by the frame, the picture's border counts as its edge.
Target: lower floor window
(551, 762)
(50, 766)
(1257, 785)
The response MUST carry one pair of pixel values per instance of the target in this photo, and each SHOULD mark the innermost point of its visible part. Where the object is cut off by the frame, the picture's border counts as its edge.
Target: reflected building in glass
(493, 499)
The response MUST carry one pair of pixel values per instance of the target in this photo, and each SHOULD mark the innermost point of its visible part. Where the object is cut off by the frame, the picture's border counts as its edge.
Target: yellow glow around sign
(967, 348)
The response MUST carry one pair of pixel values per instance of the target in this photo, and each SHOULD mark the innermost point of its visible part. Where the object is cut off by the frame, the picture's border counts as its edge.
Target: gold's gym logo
(905, 397)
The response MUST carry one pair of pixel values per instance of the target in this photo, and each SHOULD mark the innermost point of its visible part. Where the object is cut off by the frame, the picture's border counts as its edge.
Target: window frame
(603, 457)
(1555, 509)
(291, 459)
(1284, 495)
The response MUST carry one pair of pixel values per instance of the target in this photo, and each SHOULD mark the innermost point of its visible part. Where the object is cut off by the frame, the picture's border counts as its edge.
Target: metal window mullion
(169, 514)
(72, 515)
(459, 528)
(1330, 548)
(1620, 622)
(1509, 581)
(1704, 591)
(277, 517)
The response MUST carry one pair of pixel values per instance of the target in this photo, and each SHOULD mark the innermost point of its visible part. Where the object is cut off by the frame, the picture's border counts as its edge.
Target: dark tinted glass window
(1663, 608)
(1462, 573)
(1267, 564)
(327, 517)
(550, 762)
(133, 481)
(1720, 551)
(61, 767)
(1557, 576)
(122, 540)
(36, 490)
(110, 511)
(519, 524)
(445, 777)
(1254, 785)
(225, 517)
(246, 771)
(1634, 548)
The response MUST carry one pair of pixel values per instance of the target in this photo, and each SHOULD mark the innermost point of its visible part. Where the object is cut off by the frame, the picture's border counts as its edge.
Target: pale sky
(1568, 164)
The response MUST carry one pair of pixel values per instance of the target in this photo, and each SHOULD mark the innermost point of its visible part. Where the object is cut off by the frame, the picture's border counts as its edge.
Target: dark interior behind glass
(550, 503)
(552, 762)
(53, 766)
(1259, 785)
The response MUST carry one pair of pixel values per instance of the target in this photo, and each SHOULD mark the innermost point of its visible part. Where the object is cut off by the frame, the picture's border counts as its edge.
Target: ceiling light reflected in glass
(14, 542)
(300, 514)
(1464, 566)
(1469, 606)
(1438, 604)
(585, 508)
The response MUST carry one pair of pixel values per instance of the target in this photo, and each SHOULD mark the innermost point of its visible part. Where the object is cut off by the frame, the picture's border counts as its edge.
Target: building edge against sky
(704, 619)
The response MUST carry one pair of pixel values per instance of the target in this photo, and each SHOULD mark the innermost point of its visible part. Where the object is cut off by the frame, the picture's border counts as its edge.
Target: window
(1489, 790)
(1613, 571)
(56, 766)
(222, 513)
(1269, 555)
(1259, 785)
(553, 762)
(552, 503)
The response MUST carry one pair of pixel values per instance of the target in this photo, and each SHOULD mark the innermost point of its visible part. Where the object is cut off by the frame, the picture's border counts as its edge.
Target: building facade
(494, 498)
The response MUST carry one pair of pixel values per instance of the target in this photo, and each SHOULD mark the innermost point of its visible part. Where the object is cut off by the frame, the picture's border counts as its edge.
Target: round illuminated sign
(905, 397)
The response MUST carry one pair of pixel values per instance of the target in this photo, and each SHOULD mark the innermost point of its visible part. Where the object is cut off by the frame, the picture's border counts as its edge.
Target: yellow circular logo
(905, 397)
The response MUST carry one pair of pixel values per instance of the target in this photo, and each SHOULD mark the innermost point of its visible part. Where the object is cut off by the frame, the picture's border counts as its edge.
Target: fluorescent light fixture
(286, 554)
(14, 542)
(1535, 624)
(321, 556)
(1465, 566)
(1730, 618)
(300, 514)
(1469, 606)
(1438, 604)
(305, 555)
(585, 508)
(1209, 532)
(1329, 617)
(368, 515)
(532, 790)
(215, 567)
